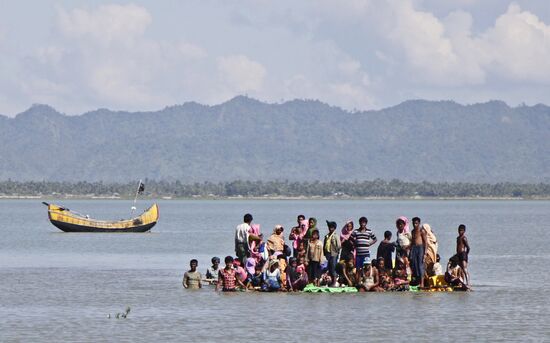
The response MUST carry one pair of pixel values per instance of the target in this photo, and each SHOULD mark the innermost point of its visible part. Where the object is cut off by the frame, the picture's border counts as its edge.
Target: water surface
(57, 286)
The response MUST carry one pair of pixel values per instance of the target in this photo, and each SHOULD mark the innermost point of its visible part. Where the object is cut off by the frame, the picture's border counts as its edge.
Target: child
(437, 269)
(350, 272)
(385, 250)
(241, 273)
(454, 274)
(192, 278)
(212, 271)
(386, 281)
(255, 280)
(314, 253)
(227, 279)
(462, 251)
(272, 276)
(400, 277)
(296, 275)
(301, 251)
(403, 241)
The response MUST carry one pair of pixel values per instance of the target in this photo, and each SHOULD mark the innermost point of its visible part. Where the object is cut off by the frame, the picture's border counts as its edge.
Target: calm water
(57, 286)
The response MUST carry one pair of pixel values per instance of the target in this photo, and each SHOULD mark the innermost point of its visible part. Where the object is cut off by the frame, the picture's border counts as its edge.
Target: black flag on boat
(141, 187)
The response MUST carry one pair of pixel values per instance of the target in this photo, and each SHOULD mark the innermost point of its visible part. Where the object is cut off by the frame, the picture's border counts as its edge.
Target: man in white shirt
(242, 237)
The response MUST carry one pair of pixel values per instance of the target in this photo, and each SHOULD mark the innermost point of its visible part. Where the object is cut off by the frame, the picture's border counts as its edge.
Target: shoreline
(290, 198)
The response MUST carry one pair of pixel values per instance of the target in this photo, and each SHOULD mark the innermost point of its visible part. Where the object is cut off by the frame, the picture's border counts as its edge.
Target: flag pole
(135, 198)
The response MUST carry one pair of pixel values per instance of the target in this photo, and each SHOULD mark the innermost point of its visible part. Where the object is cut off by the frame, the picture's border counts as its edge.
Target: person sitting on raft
(272, 276)
(349, 273)
(400, 277)
(241, 273)
(227, 277)
(386, 281)
(255, 280)
(192, 278)
(213, 270)
(369, 278)
(454, 276)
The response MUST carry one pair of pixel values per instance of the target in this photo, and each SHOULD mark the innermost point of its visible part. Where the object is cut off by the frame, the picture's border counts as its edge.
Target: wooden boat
(69, 221)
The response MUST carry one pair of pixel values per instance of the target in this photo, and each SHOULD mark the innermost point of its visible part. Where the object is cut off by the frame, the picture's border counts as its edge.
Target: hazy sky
(366, 54)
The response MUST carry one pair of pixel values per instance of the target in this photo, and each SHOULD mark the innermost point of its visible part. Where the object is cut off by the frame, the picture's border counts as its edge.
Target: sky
(78, 56)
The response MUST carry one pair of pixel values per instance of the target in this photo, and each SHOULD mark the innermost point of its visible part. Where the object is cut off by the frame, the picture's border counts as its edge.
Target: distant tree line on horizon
(374, 188)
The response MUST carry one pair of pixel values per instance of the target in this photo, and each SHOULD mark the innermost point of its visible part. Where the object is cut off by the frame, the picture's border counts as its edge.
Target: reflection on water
(61, 287)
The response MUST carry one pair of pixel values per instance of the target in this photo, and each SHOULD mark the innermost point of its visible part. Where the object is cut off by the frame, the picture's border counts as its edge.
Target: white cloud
(106, 24)
(354, 54)
(241, 74)
(429, 51)
(518, 46)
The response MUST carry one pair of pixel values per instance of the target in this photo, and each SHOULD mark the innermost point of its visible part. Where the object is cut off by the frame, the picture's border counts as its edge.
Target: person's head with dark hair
(437, 258)
(363, 222)
(462, 227)
(387, 235)
(293, 261)
(228, 262)
(416, 220)
(374, 262)
(315, 234)
(215, 260)
(454, 261)
(193, 264)
(331, 226)
(381, 263)
(300, 218)
(248, 218)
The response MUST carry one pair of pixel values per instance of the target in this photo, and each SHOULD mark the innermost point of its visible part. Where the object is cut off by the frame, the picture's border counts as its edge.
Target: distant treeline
(375, 188)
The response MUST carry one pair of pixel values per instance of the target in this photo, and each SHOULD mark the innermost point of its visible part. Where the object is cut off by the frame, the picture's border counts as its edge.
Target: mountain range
(297, 140)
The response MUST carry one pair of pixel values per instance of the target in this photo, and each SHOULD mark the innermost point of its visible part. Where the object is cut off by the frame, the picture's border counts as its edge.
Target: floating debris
(121, 314)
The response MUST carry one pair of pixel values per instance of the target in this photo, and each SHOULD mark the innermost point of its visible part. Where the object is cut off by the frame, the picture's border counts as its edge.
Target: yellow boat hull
(68, 221)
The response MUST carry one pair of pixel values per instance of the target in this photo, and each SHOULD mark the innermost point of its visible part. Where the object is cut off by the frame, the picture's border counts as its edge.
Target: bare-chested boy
(462, 251)
(418, 251)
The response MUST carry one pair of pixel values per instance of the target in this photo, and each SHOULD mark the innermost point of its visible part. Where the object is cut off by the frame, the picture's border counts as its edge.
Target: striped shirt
(362, 241)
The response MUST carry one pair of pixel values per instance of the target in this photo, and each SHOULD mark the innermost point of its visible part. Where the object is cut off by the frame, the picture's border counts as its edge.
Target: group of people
(338, 260)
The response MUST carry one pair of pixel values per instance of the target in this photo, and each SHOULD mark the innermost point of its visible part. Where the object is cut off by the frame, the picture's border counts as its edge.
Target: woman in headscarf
(253, 245)
(276, 241)
(297, 236)
(312, 225)
(403, 239)
(347, 245)
(431, 251)
(406, 221)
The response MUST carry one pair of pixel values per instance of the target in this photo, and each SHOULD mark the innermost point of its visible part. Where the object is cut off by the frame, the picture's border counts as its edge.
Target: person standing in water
(418, 251)
(331, 249)
(362, 239)
(242, 237)
(462, 251)
(192, 278)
